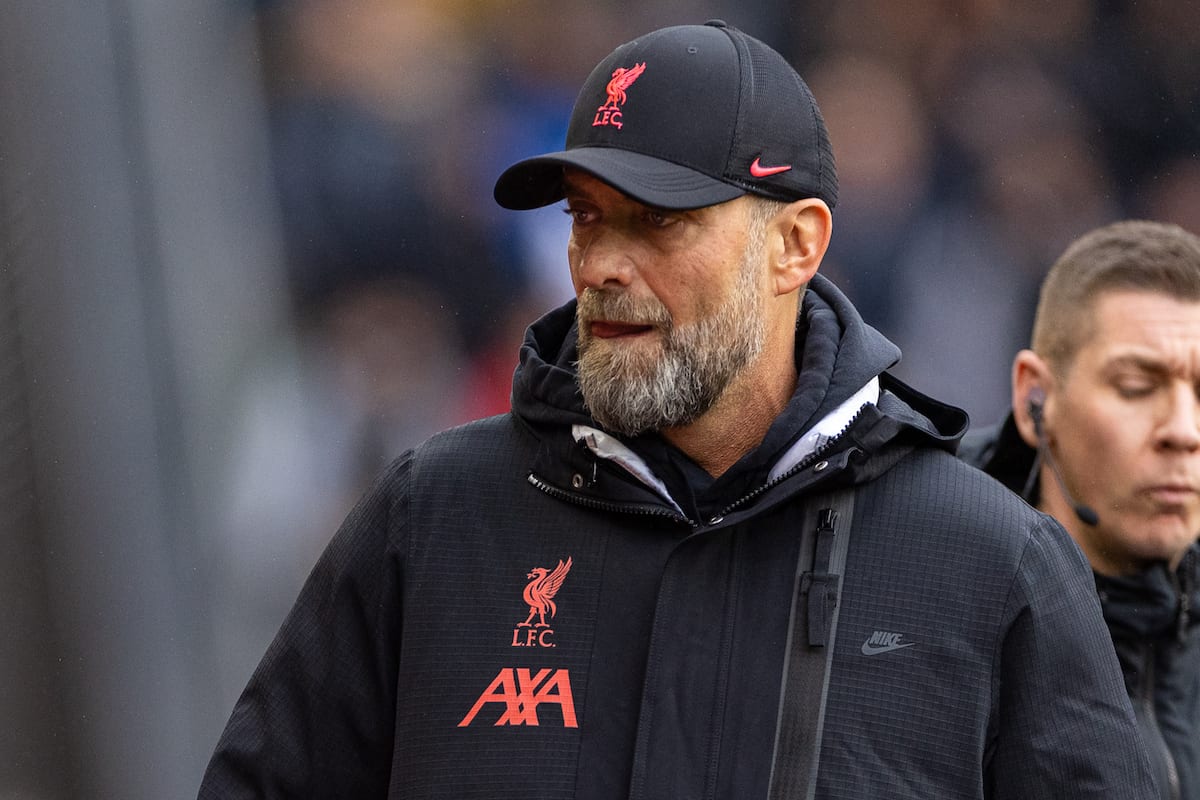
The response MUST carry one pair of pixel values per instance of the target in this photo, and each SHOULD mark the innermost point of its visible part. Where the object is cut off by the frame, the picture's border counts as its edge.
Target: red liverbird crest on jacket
(539, 594)
(622, 79)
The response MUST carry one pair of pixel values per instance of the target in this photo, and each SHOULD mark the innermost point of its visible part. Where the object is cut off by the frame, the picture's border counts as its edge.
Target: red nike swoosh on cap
(759, 171)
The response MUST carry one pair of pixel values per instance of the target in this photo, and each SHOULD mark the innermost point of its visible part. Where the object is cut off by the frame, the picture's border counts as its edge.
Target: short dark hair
(1133, 255)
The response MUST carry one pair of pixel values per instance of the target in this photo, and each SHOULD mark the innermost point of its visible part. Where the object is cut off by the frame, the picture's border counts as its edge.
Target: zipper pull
(819, 587)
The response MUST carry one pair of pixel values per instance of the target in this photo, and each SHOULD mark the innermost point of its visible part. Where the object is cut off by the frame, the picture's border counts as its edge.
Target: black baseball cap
(685, 117)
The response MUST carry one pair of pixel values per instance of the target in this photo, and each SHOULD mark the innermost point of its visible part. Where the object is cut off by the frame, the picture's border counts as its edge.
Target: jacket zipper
(1181, 580)
(619, 508)
(811, 459)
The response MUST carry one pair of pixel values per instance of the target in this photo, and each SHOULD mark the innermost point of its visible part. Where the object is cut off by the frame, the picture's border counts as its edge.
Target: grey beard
(630, 398)
(633, 390)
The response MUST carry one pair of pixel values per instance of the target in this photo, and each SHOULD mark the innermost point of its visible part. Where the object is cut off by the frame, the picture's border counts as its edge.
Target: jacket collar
(606, 446)
(840, 360)
(1154, 603)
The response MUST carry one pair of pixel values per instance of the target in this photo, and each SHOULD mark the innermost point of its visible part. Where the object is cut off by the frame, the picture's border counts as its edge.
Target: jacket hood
(837, 355)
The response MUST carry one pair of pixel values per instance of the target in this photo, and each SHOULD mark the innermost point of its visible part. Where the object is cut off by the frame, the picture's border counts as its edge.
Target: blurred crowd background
(248, 254)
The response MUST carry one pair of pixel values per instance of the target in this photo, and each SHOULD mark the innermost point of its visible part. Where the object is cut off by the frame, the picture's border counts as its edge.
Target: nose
(1180, 429)
(600, 259)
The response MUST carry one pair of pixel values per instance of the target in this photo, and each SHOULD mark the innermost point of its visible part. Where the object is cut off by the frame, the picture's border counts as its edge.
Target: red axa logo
(521, 691)
(539, 596)
(622, 79)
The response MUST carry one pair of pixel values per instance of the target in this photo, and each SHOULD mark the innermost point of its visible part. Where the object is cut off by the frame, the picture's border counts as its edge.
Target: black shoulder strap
(811, 632)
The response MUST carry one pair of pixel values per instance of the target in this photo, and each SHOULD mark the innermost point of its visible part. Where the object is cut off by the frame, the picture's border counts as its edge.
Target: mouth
(608, 329)
(1172, 494)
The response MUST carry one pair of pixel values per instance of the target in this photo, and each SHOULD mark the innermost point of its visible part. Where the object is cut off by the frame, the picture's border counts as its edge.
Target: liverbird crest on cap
(622, 79)
(610, 112)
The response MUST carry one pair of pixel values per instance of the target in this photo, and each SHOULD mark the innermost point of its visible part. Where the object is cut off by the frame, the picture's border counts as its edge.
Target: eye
(659, 218)
(1135, 388)
(578, 215)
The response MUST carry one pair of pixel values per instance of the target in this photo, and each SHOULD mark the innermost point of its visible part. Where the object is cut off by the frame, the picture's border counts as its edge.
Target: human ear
(1031, 388)
(801, 232)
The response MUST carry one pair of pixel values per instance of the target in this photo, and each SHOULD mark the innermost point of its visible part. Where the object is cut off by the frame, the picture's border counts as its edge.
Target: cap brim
(537, 182)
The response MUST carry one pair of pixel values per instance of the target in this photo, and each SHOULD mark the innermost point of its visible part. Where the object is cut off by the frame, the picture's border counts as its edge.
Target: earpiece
(1036, 401)
(1037, 398)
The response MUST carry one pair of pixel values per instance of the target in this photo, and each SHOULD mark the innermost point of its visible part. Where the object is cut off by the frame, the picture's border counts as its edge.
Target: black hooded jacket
(522, 609)
(1154, 619)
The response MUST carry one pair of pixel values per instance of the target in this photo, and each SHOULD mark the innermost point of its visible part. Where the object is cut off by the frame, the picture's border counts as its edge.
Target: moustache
(610, 306)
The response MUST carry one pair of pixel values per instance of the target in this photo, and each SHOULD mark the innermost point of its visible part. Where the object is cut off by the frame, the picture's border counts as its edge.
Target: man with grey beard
(630, 392)
(715, 550)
